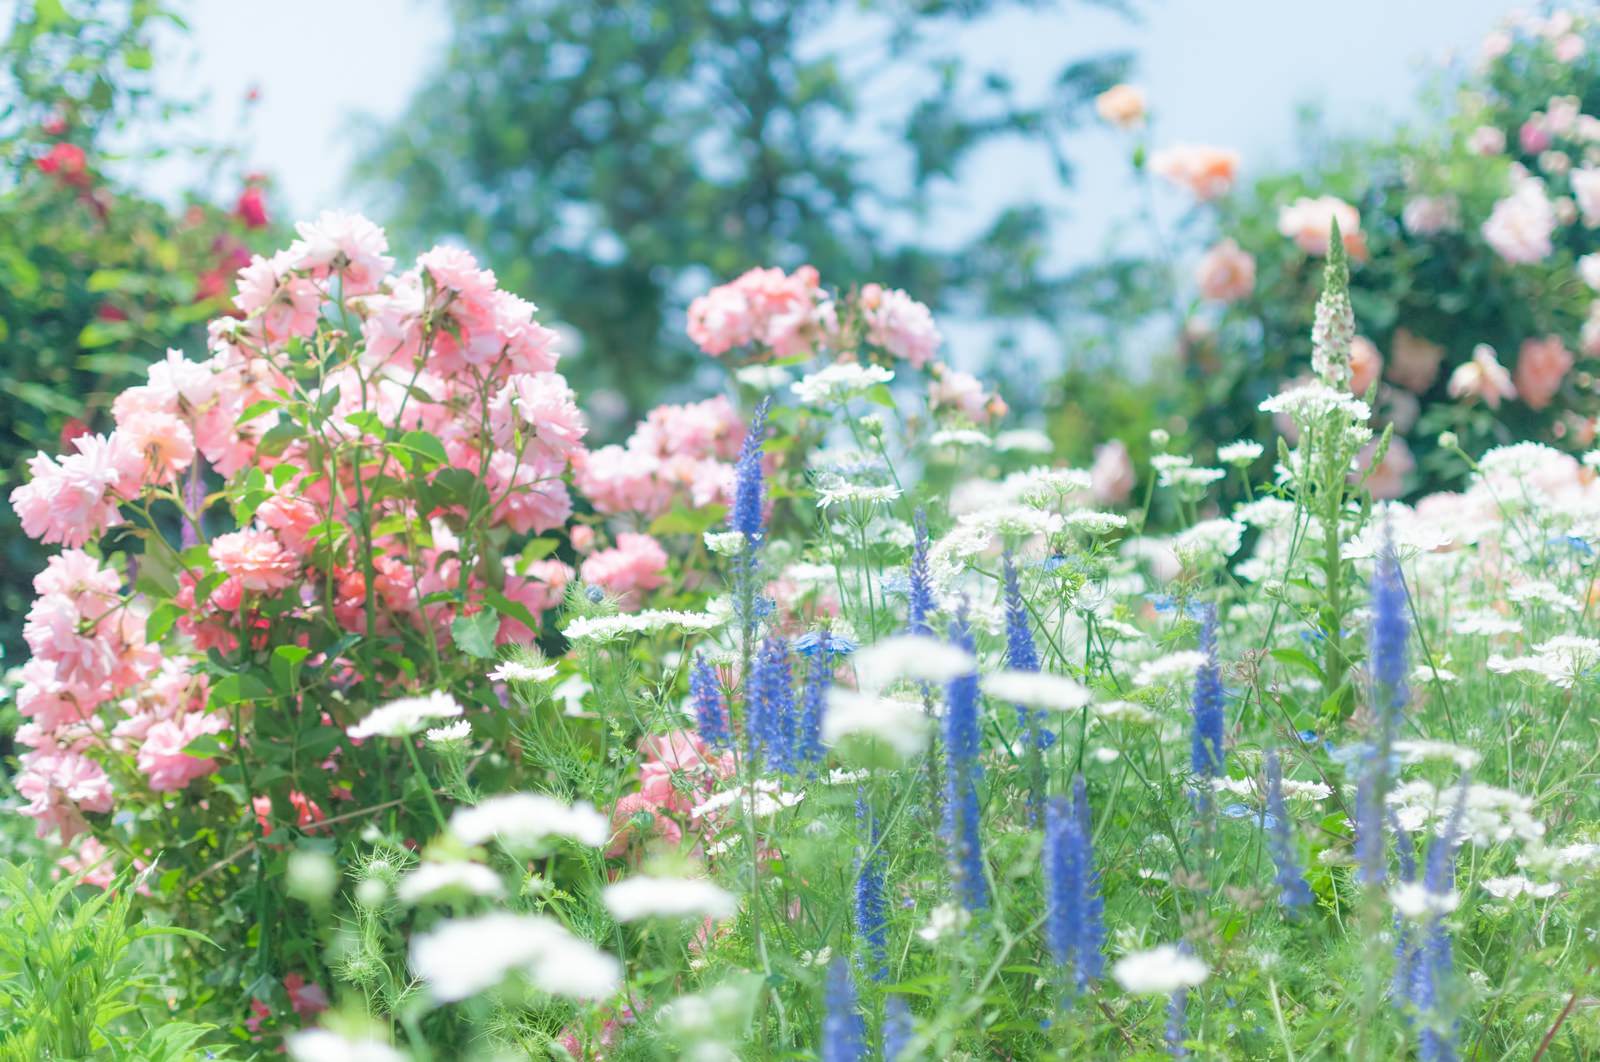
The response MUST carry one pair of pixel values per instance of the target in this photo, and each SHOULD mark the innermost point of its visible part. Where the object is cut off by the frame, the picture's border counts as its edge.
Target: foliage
(871, 734)
(73, 980)
(615, 157)
(96, 279)
(1471, 233)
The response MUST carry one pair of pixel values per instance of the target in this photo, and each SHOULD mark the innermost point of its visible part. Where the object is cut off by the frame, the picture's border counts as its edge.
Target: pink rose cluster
(788, 315)
(434, 370)
(88, 650)
(677, 772)
(784, 312)
(678, 453)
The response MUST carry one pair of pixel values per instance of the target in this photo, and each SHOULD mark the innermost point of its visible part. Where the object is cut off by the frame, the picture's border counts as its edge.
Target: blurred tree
(612, 160)
(96, 280)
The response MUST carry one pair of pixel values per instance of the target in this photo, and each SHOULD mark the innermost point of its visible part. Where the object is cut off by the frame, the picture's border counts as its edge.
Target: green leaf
(162, 617)
(474, 634)
(238, 688)
(286, 662)
(205, 747)
(423, 445)
(1295, 658)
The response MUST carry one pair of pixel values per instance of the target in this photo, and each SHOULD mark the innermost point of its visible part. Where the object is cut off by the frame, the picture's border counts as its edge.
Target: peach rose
(1366, 364)
(1388, 480)
(1541, 366)
(1121, 106)
(1413, 361)
(1482, 377)
(1226, 273)
(1309, 223)
(1206, 171)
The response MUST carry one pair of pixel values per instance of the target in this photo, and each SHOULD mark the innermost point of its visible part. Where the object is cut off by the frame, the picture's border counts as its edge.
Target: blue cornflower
(1206, 754)
(710, 710)
(825, 642)
(844, 1033)
(770, 708)
(1074, 926)
(746, 516)
(1390, 628)
(963, 741)
(813, 703)
(897, 1028)
(1293, 892)
(872, 925)
(919, 597)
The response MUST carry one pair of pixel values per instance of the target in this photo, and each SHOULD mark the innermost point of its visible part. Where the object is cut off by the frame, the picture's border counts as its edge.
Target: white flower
(609, 628)
(1123, 711)
(1159, 971)
(1486, 623)
(522, 820)
(1174, 667)
(1095, 522)
(1036, 689)
(1214, 540)
(1191, 478)
(1265, 512)
(901, 725)
(1511, 887)
(1592, 459)
(463, 957)
(840, 381)
(911, 656)
(451, 734)
(1104, 755)
(514, 671)
(1420, 751)
(943, 921)
(725, 543)
(1312, 401)
(1413, 900)
(1239, 453)
(405, 716)
(1023, 440)
(646, 897)
(763, 377)
(325, 1045)
(835, 490)
(765, 799)
(431, 879)
(960, 437)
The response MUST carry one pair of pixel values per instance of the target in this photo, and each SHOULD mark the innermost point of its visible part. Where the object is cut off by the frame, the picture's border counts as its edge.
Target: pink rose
(1366, 364)
(1413, 361)
(1482, 377)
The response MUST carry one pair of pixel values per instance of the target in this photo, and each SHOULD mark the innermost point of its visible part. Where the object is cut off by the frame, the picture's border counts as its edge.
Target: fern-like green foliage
(72, 975)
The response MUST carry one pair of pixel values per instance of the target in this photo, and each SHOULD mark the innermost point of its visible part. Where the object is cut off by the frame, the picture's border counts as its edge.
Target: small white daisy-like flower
(429, 880)
(838, 382)
(1169, 669)
(726, 543)
(523, 820)
(1240, 453)
(901, 725)
(1036, 689)
(453, 734)
(639, 897)
(945, 920)
(406, 716)
(1413, 900)
(965, 438)
(465, 956)
(1159, 971)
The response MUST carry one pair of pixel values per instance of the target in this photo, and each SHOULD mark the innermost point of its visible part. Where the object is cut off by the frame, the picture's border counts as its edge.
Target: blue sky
(1217, 71)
